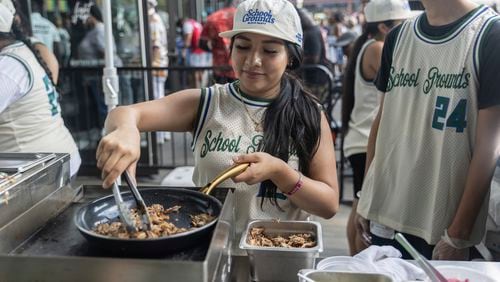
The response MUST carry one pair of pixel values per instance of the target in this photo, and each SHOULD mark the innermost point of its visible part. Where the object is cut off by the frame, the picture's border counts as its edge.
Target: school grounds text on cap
(276, 18)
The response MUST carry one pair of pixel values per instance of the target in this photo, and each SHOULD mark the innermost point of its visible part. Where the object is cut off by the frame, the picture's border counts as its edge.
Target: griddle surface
(60, 237)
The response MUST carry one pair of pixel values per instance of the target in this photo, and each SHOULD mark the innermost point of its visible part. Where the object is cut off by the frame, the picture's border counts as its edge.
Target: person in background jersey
(30, 115)
(436, 138)
(192, 54)
(159, 56)
(360, 96)
(217, 22)
(265, 118)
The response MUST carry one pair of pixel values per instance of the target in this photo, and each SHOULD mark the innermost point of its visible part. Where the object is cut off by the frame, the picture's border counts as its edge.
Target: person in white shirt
(43, 29)
(30, 115)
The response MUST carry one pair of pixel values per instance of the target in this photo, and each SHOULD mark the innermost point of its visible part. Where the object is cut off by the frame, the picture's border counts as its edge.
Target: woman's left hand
(262, 167)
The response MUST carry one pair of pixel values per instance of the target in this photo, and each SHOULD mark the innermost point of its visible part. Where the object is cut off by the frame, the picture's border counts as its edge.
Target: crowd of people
(420, 111)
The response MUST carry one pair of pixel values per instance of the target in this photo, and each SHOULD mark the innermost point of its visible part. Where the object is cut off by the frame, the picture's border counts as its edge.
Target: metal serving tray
(330, 276)
(281, 264)
(24, 190)
(21, 162)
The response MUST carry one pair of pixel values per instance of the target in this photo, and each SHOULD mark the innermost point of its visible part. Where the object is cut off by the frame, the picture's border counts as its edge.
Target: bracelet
(297, 186)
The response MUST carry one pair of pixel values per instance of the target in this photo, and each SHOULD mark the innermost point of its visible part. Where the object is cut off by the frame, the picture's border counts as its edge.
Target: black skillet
(105, 210)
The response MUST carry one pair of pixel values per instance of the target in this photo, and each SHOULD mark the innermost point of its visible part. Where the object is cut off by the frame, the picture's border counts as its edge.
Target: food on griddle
(257, 237)
(160, 226)
(201, 219)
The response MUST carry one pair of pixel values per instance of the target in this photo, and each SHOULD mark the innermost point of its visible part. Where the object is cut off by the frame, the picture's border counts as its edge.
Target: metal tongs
(124, 212)
(228, 173)
(426, 266)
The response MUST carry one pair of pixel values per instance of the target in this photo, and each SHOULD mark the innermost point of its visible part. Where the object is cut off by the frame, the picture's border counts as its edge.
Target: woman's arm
(319, 192)
(50, 59)
(120, 148)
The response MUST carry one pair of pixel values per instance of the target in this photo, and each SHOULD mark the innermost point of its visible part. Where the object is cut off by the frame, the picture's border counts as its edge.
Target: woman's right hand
(363, 229)
(118, 151)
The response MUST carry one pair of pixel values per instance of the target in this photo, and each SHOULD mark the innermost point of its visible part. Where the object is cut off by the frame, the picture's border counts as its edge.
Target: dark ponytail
(370, 30)
(292, 123)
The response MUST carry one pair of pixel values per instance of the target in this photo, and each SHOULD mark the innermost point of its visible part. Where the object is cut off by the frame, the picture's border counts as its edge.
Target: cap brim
(232, 33)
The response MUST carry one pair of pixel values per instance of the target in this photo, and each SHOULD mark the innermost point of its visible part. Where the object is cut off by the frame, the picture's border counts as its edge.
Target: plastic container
(344, 264)
(332, 276)
(462, 273)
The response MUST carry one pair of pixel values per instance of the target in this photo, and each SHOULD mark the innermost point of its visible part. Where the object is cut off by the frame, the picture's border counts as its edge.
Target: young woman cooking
(265, 118)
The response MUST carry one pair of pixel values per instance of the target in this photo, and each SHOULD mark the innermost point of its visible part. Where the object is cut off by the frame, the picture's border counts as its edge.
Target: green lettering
(218, 142)
(237, 149)
(225, 145)
(205, 147)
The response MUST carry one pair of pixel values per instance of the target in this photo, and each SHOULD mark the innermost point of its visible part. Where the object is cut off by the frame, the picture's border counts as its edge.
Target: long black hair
(370, 30)
(292, 122)
(21, 31)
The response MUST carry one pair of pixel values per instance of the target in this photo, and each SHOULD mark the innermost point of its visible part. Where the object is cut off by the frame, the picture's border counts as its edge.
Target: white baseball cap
(384, 10)
(7, 12)
(276, 18)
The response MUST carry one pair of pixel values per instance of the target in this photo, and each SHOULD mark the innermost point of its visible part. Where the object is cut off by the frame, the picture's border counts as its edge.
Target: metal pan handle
(228, 173)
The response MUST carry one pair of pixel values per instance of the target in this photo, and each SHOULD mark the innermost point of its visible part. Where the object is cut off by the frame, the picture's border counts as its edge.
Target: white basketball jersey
(364, 111)
(34, 123)
(224, 130)
(427, 129)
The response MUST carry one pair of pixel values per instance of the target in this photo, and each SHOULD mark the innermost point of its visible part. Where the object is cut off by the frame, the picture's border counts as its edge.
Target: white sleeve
(187, 28)
(14, 81)
(55, 34)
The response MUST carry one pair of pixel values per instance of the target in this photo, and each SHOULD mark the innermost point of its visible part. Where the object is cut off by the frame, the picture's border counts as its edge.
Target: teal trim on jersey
(478, 45)
(26, 66)
(206, 95)
(249, 100)
(452, 33)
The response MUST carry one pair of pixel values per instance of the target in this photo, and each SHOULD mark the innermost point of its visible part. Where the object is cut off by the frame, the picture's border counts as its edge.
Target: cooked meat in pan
(160, 226)
(300, 240)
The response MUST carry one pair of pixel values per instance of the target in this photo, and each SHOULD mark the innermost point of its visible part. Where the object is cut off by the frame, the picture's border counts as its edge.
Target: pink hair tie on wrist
(297, 186)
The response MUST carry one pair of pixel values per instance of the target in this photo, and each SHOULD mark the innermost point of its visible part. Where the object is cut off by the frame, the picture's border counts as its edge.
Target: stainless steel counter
(42, 261)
